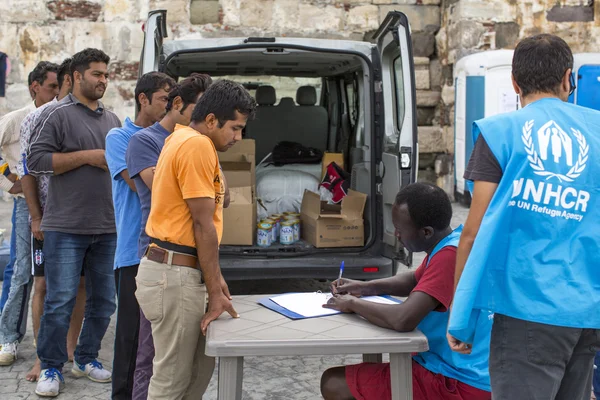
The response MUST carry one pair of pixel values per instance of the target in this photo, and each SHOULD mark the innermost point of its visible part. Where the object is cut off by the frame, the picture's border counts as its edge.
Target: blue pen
(341, 272)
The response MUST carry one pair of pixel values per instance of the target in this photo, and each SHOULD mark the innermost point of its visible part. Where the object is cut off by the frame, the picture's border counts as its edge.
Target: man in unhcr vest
(530, 248)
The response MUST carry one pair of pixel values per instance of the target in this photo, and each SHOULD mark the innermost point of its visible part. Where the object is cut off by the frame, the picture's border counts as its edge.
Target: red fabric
(372, 382)
(437, 280)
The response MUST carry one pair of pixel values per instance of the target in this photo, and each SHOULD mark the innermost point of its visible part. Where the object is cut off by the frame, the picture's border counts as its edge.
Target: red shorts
(369, 381)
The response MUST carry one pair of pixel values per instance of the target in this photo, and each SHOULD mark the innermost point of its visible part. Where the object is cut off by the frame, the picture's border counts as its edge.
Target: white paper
(311, 304)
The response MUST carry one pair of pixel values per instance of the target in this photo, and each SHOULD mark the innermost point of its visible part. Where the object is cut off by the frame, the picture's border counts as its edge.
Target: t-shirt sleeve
(197, 168)
(116, 147)
(437, 280)
(483, 165)
(141, 154)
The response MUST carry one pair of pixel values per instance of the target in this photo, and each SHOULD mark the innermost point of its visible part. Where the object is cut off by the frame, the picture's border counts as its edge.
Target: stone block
(350, 2)
(448, 95)
(431, 139)
(428, 98)
(465, 34)
(419, 17)
(422, 77)
(324, 18)
(419, 61)
(231, 12)
(423, 44)
(383, 1)
(435, 73)
(363, 18)
(507, 34)
(491, 10)
(285, 15)
(204, 12)
(178, 11)
(16, 11)
(120, 10)
(256, 13)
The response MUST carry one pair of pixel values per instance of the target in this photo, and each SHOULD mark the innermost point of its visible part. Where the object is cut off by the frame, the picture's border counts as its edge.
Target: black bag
(294, 153)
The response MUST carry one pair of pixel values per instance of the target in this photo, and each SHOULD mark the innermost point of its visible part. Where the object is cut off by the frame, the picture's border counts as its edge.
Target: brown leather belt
(160, 255)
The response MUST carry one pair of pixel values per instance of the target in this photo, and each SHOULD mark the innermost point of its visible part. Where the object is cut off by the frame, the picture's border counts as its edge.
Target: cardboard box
(239, 164)
(239, 219)
(328, 158)
(333, 225)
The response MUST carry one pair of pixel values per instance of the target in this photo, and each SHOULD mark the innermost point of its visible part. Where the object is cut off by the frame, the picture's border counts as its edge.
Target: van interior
(314, 98)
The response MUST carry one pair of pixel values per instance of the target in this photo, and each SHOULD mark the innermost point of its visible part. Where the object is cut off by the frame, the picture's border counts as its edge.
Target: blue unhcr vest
(471, 369)
(537, 254)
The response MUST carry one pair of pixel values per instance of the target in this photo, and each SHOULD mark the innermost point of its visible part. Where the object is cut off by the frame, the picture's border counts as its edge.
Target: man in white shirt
(13, 321)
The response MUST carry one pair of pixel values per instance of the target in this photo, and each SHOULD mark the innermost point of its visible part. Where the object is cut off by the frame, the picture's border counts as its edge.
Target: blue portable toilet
(483, 87)
(586, 70)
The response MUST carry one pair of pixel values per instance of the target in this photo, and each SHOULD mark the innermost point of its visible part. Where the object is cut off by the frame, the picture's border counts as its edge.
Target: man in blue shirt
(151, 96)
(530, 248)
(142, 156)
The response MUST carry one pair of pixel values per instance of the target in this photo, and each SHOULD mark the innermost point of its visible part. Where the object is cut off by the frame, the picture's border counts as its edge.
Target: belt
(160, 255)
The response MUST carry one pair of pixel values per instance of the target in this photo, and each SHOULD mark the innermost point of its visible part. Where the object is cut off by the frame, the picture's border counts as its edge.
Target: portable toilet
(483, 87)
(586, 70)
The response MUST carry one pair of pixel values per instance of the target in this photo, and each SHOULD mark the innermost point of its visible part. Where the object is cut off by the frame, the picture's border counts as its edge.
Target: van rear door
(395, 90)
(155, 30)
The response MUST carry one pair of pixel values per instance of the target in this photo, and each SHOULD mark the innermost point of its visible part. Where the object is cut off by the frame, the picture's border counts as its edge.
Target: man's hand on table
(348, 286)
(341, 303)
(218, 303)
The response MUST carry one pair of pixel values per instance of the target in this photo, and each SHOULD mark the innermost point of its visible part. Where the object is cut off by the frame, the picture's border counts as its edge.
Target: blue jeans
(596, 381)
(65, 255)
(13, 322)
(8, 271)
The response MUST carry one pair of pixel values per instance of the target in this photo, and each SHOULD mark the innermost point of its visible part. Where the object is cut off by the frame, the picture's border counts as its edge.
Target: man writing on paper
(531, 246)
(421, 216)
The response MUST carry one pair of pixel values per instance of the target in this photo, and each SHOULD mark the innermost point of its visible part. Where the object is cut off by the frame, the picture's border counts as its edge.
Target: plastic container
(273, 224)
(277, 226)
(296, 227)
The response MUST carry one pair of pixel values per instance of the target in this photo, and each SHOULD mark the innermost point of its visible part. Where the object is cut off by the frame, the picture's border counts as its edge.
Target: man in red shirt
(421, 216)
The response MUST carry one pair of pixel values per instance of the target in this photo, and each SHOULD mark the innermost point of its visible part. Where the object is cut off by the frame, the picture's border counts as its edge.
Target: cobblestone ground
(264, 379)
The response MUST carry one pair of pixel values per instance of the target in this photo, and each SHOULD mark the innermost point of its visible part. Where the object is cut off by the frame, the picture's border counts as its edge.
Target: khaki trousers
(174, 300)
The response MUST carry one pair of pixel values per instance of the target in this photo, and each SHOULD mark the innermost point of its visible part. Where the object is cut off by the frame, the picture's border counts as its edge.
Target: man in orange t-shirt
(180, 273)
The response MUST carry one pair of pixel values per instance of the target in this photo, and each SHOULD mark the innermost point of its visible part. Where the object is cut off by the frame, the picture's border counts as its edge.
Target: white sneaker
(49, 383)
(94, 371)
(8, 353)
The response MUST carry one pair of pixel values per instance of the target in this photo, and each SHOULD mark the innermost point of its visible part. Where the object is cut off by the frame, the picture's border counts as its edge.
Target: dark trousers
(145, 357)
(126, 333)
(531, 361)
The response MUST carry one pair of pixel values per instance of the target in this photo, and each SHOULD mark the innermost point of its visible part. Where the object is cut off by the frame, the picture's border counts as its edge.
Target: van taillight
(371, 269)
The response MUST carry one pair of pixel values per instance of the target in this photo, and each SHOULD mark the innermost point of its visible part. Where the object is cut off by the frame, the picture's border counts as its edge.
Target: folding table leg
(231, 374)
(401, 372)
(373, 358)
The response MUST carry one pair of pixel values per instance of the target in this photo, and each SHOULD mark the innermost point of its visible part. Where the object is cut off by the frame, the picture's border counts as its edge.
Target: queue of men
(133, 212)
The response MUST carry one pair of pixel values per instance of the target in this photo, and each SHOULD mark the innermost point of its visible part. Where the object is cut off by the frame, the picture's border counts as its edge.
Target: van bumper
(310, 267)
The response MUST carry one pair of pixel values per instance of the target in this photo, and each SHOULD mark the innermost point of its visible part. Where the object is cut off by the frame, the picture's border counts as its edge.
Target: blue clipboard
(271, 305)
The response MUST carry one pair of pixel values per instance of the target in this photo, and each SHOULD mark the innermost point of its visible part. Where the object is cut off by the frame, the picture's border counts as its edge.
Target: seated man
(421, 216)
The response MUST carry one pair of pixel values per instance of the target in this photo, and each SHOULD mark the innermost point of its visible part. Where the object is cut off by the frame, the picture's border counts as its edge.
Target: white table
(262, 332)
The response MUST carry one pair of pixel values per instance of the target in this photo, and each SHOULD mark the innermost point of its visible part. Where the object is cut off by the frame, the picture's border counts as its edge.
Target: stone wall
(443, 31)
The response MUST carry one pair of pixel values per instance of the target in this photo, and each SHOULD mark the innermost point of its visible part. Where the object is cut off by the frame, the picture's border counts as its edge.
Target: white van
(355, 98)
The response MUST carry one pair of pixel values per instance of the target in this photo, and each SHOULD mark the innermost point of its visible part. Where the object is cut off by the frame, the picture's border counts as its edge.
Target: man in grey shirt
(78, 223)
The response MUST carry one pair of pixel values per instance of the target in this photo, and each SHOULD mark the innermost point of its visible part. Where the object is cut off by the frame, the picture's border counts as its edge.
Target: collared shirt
(182, 174)
(10, 128)
(128, 213)
(79, 201)
(24, 139)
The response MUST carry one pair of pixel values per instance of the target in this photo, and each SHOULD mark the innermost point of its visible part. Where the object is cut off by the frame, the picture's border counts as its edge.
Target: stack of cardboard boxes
(239, 219)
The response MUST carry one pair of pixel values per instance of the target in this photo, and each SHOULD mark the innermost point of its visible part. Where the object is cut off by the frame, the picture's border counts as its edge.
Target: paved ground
(273, 379)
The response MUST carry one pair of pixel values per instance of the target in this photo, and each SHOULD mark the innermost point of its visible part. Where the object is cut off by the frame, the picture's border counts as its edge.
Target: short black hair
(540, 62)
(428, 205)
(189, 89)
(81, 61)
(223, 99)
(151, 83)
(63, 70)
(40, 72)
